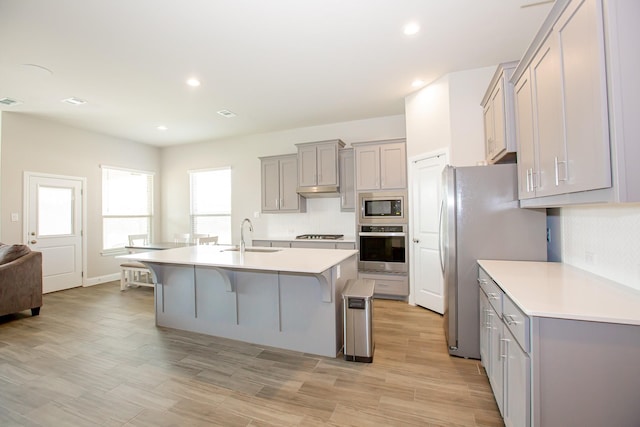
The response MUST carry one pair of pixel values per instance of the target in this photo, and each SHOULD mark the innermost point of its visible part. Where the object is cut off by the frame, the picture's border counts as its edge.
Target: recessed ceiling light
(74, 101)
(411, 29)
(162, 128)
(227, 113)
(417, 83)
(193, 82)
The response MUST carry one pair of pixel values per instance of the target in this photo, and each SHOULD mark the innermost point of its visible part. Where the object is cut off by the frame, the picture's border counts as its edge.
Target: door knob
(33, 242)
(416, 240)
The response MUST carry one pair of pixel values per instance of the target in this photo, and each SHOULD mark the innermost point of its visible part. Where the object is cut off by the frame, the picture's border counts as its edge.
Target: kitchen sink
(267, 250)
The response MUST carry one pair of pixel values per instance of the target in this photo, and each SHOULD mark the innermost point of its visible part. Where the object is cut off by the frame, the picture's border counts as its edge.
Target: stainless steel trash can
(357, 306)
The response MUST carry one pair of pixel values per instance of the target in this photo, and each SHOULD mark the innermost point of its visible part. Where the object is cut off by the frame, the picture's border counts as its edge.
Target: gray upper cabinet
(570, 90)
(318, 163)
(499, 127)
(279, 183)
(346, 165)
(381, 165)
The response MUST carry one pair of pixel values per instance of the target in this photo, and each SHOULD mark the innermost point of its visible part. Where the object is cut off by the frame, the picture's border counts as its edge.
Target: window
(127, 206)
(211, 203)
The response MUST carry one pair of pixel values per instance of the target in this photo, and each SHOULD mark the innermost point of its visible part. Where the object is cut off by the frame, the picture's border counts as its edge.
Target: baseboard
(101, 279)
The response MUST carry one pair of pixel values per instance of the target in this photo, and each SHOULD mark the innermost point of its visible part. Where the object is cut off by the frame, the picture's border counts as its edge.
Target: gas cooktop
(320, 236)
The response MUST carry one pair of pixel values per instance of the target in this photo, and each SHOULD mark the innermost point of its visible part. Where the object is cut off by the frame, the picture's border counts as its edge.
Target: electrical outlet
(590, 258)
(256, 214)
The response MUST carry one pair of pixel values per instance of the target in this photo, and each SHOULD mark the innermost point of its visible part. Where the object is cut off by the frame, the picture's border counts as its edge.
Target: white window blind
(127, 206)
(211, 203)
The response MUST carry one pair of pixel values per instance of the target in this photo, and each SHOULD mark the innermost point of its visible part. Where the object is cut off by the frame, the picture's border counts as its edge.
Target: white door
(426, 274)
(54, 227)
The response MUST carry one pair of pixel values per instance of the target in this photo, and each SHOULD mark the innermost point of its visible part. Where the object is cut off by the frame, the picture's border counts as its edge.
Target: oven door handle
(380, 234)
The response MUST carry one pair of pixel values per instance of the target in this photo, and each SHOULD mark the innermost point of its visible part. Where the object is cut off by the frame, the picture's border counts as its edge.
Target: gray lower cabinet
(556, 371)
(389, 285)
(503, 333)
(279, 182)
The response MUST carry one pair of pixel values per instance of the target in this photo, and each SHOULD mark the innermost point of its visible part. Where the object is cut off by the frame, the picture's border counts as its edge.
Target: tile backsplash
(604, 240)
(323, 216)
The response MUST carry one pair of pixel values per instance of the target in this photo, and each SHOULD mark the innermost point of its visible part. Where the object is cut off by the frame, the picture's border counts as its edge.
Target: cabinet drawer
(263, 243)
(517, 323)
(386, 285)
(492, 290)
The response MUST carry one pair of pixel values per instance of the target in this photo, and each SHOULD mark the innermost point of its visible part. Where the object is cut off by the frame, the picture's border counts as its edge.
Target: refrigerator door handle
(440, 236)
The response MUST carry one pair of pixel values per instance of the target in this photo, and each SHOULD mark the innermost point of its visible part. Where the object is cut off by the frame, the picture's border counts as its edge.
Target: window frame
(150, 204)
(193, 216)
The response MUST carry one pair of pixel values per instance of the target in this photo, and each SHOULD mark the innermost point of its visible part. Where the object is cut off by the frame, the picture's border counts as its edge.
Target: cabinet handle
(533, 180)
(528, 183)
(510, 319)
(482, 281)
(556, 166)
(506, 341)
(492, 296)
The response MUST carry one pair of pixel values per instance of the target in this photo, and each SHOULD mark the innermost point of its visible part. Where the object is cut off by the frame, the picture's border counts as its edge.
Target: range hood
(319, 191)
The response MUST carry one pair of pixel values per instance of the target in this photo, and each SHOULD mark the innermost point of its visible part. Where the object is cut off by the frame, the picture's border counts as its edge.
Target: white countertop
(346, 239)
(312, 261)
(548, 289)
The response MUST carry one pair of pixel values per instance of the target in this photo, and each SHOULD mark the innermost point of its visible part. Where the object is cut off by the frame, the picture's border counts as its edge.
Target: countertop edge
(604, 311)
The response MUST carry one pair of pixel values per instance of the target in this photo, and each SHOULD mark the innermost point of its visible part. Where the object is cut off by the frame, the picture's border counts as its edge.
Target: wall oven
(382, 208)
(383, 248)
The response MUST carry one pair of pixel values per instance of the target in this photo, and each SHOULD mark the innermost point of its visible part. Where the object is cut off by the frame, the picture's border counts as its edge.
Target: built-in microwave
(382, 208)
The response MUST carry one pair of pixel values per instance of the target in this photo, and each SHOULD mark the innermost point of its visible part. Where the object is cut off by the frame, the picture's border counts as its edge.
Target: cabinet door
(485, 327)
(497, 356)
(393, 166)
(527, 171)
(270, 185)
(289, 198)
(517, 379)
(347, 177)
(547, 100)
(307, 166)
(487, 113)
(499, 131)
(327, 164)
(367, 167)
(581, 39)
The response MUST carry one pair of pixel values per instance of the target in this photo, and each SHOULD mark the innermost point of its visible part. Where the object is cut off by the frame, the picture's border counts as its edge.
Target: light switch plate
(15, 217)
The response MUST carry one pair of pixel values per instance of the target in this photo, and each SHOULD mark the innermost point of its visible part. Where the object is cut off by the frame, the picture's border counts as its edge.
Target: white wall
(241, 153)
(447, 114)
(38, 145)
(604, 240)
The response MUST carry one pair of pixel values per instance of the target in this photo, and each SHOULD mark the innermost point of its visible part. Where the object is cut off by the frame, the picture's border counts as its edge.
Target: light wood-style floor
(95, 357)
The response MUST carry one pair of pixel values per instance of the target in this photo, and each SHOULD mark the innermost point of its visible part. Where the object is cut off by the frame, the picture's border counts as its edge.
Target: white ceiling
(277, 64)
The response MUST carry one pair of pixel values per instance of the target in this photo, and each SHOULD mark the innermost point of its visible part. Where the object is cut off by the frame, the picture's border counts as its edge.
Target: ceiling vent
(227, 113)
(74, 101)
(10, 102)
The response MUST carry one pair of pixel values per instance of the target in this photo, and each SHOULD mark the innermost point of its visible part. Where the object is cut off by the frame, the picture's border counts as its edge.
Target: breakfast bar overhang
(286, 298)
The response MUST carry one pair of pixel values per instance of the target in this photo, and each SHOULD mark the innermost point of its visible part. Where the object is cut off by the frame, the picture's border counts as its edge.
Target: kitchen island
(286, 298)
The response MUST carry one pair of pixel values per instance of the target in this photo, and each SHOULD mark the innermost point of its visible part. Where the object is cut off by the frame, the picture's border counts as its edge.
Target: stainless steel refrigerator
(481, 219)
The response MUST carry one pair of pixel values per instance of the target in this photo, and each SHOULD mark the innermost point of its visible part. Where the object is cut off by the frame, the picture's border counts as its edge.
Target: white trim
(190, 171)
(101, 279)
(412, 161)
(128, 169)
(27, 175)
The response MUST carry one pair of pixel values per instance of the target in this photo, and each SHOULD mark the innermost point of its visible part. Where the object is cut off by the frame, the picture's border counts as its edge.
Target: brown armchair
(21, 282)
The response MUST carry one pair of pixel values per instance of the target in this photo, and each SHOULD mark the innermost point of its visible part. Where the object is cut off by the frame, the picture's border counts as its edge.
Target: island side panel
(175, 296)
(585, 373)
(215, 304)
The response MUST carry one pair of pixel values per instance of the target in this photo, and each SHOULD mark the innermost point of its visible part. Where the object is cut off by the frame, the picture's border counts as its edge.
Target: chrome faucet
(242, 244)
